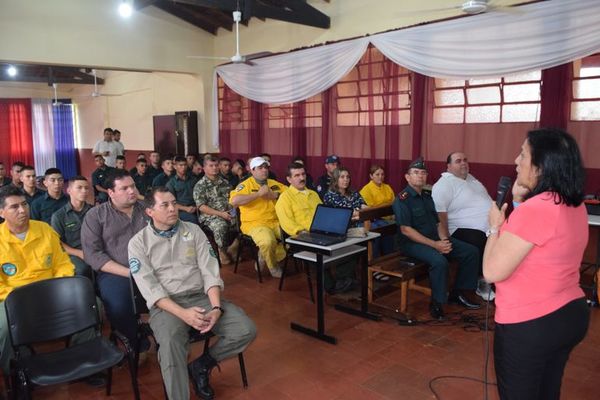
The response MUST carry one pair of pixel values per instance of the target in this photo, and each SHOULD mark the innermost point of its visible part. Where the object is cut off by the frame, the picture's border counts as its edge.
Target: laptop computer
(329, 226)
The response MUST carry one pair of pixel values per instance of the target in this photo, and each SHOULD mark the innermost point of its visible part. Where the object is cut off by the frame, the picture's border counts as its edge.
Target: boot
(199, 371)
(224, 257)
(233, 248)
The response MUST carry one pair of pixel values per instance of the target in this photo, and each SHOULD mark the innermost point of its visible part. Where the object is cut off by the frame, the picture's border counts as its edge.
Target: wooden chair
(407, 270)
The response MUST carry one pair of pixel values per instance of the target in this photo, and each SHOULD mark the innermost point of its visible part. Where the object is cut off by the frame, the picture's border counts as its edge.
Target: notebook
(329, 226)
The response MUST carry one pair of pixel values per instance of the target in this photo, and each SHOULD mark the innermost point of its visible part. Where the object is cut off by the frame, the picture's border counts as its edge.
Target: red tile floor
(372, 360)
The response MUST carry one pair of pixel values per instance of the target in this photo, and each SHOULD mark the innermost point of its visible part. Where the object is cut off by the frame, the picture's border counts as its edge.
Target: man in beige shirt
(176, 270)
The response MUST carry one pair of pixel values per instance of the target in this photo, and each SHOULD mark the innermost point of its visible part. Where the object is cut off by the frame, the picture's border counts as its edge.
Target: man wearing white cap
(256, 198)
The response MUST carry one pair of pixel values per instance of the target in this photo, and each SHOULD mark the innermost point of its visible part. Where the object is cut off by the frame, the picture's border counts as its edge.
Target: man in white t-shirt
(462, 204)
(107, 148)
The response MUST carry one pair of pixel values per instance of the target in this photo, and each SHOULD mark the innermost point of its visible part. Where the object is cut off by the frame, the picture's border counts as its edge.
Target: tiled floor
(372, 360)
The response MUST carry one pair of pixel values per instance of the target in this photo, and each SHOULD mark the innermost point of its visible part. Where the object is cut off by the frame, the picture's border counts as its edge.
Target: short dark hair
(120, 158)
(108, 130)
(141, 160)
(209, 157)
(556, 154)
(265, 154)
(294, 165)
(28, 168)
(192, 155)
(299, 159)
(150, 200)
(18, 164)
(116, 131)
(115, 175)
(77, 178)
(9, 191)
(179, 159)
(374, 168)
(449, 158)
(51, 171)
(224, 159)
(154, 151)
(241, 162)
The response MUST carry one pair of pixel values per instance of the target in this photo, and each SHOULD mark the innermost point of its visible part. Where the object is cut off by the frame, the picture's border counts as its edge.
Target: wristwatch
(491, 231)
(218, 308)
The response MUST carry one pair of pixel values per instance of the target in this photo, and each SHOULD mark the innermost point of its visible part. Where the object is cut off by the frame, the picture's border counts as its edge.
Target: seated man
(67, 223)
(420, 236)
(30, 189)
(181, 185)
(120, 162)
(211, 194)
(463, 204)
(4, 179)
(167, 172)
(177, 272)
(153, 166)
(99, 178)
(43, 207)
(295, 209)
(143, 183)
(30, 251)
(256, 197)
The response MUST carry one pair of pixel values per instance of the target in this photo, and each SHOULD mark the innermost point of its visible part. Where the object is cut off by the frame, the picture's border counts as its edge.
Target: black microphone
(504, 185)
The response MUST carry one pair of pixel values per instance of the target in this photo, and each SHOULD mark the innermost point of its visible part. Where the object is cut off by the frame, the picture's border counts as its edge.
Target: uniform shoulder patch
(211, 251)
(134, 265)
(274, 187)
(9, 269)
(403, 195)
(240, 187)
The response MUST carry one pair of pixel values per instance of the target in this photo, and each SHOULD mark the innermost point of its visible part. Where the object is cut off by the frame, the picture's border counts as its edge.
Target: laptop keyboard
(318, 238)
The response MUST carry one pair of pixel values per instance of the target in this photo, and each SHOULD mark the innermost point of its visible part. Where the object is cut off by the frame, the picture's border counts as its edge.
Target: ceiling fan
(55, 103)
(237, 58)
(96, 93)
(470, 7)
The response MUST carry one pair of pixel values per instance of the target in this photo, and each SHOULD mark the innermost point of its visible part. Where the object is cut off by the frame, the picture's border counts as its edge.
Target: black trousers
(475, 237)
(530, 357)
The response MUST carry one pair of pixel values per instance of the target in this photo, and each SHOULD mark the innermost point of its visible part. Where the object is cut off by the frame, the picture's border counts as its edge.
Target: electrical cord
(473, 323)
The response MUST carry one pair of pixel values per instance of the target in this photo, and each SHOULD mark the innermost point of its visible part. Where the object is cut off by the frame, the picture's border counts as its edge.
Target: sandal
(381, 277)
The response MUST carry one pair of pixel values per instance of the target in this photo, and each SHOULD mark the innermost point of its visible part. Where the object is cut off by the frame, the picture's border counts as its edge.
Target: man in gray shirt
(106, 231)
(67, 220)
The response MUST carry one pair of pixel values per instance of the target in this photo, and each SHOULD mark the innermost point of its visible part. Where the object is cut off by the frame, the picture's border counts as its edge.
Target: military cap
(418, 164)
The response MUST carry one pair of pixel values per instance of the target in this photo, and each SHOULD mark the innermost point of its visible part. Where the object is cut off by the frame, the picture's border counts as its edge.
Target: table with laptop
(327, 242)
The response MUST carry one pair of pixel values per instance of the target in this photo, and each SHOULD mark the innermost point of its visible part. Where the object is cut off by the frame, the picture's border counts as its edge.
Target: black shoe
(436, 311)
(96, 380)
(199, 371)
(461, 297)
(343, 285)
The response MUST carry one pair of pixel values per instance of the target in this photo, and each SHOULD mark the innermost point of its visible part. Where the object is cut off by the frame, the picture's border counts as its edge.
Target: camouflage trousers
(223, 231)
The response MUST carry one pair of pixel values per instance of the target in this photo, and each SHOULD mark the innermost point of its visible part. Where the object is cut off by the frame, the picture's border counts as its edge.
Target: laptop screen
(331, 220)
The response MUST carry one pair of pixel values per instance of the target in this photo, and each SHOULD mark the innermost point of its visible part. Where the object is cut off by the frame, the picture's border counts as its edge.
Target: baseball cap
(332, 159)
(257, 162)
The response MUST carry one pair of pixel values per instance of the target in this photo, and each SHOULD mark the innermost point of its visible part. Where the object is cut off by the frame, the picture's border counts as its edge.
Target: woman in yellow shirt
(377, 193)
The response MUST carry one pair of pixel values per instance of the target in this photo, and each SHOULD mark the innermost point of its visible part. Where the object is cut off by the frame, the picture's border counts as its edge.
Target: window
(514, 98)
(376, 92)
(585, 105)
(282, 115)
(234, 110)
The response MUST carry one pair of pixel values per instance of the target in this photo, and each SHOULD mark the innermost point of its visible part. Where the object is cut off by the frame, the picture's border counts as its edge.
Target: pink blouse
(548, 277)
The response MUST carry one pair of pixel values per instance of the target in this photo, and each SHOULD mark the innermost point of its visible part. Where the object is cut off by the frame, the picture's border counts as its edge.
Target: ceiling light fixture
(125, 9)
(11, 71)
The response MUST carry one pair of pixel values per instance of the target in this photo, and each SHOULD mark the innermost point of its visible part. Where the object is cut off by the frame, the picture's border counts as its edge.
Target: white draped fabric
(497, 43)
(42, 126)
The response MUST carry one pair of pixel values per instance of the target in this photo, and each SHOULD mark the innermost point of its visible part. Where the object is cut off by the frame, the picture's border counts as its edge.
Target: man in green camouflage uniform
(211, 195)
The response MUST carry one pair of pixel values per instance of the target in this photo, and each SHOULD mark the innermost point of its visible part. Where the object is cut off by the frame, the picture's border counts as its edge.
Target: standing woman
(534, 258)
(340, 193)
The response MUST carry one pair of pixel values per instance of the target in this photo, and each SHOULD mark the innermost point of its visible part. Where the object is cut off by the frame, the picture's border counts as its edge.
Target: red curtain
(15, 131)
(556, 96)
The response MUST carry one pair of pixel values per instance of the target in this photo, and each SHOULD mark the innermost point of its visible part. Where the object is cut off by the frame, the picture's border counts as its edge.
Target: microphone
(504, 185)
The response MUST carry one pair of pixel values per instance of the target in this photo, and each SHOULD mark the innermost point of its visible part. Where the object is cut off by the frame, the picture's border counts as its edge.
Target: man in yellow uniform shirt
(256, 197)
(295, 210)
(30, 251)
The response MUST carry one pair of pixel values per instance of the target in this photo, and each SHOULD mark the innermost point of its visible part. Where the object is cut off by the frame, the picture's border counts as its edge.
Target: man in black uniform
(331, 164)
(143, 182)
(420, 237)
(98, 177)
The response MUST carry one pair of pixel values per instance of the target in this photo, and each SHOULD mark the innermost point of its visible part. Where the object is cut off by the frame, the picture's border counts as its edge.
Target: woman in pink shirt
(533, 257)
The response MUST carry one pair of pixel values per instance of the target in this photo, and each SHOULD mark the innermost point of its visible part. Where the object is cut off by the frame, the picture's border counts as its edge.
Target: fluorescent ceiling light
(11, 71)
(125, 9)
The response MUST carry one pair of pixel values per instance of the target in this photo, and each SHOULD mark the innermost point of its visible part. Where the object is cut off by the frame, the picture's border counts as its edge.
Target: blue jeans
(115, 293)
